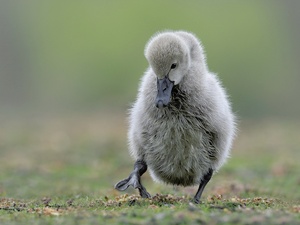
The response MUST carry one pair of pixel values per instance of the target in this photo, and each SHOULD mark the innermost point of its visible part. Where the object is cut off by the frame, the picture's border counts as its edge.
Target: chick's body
(182, 141)
(181, 126)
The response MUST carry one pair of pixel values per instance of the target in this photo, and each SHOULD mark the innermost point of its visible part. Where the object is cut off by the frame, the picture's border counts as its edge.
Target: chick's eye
(173, 66)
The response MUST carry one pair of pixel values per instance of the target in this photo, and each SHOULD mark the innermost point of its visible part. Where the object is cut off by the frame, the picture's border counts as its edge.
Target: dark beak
(164, 90)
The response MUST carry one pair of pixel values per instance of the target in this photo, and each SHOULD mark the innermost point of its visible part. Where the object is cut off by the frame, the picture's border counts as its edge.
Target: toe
(122, 185)
(144, 194)
(196, 201)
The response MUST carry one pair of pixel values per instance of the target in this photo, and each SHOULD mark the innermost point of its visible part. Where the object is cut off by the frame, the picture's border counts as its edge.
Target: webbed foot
(134, 180)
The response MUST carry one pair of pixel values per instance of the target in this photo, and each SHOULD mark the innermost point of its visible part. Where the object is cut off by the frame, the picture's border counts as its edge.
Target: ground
(62, 169)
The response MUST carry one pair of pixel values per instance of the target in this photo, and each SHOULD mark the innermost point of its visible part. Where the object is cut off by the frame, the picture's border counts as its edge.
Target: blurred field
(64, 56)
(62, 169)
(70, 69)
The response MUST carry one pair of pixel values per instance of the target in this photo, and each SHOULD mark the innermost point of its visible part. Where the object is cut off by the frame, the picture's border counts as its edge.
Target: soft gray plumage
(181, 138)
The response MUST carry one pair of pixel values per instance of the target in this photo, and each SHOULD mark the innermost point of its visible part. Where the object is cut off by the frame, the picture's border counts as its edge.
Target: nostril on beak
(160, 104)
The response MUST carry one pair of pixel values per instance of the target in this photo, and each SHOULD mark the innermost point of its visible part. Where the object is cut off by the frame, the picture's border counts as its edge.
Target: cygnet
(181, 126)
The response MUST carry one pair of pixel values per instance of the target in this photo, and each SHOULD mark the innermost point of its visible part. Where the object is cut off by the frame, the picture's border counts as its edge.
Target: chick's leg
(134, 179)
(204, 181)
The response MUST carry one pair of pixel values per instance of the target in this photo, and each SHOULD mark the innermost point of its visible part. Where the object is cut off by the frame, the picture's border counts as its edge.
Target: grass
(61, 170)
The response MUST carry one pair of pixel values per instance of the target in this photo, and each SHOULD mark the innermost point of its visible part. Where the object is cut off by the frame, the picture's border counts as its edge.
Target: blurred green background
(77, 56)
(69, 70)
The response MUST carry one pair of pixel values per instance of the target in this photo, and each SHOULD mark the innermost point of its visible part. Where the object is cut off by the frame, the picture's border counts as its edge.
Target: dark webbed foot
(134, 179)
(202, 185)
(143, 192)
(196, 201)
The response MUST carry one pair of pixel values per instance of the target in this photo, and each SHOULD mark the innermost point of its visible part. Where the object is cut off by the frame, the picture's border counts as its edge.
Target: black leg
(134, 179)
(202, 185)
